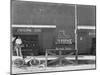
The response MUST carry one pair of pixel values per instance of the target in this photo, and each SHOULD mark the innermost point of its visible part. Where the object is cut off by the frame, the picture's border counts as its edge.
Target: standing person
(13, 38)
(18, 44)
(13, 44)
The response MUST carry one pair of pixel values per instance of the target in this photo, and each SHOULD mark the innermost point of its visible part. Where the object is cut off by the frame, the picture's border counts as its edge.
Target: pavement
(85, 62)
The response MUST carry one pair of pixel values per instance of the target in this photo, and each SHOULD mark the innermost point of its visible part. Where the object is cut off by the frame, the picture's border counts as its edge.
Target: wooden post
(46, 55)
(60, 60)
(76, 56)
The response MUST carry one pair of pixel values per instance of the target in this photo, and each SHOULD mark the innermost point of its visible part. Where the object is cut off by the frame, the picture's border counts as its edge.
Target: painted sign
(25, 30)
(62, 38)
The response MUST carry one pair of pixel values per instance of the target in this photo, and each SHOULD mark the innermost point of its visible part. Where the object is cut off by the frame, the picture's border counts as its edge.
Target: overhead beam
(86, 27)
(35, 26)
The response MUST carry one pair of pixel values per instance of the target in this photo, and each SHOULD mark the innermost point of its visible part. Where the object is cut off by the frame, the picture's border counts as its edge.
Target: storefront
(35, 38)
(64, 16)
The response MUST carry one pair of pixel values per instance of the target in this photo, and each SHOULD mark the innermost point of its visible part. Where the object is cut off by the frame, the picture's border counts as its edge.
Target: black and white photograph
(52, 37)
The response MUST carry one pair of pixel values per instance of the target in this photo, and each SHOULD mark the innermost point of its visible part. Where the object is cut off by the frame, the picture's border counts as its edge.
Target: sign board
(62, 38)
(26, 30)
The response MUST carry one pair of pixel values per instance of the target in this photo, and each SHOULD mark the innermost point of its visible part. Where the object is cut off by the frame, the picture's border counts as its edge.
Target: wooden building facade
(57, 17)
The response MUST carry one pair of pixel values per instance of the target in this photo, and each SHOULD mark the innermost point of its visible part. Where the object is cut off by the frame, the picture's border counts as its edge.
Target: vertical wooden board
(66, 19)
(32, 13)
(48, 38)
(86, 15)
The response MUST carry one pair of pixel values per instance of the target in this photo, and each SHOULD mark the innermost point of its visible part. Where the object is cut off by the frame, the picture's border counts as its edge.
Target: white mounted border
(83, 2)
(35, 26)
(86, 27)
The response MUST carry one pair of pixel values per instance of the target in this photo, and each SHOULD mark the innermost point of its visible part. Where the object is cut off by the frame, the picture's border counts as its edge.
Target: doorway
(30, 44)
